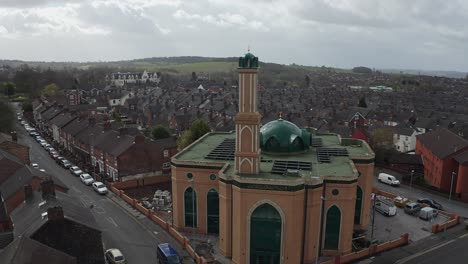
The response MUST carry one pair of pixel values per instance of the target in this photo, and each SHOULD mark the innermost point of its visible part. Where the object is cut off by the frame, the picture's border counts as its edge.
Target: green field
(209, 66)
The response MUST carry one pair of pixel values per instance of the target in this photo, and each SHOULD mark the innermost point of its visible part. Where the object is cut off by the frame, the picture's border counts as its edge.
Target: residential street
(136, 236)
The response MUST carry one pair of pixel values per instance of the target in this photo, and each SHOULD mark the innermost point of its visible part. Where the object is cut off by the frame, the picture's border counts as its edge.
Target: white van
(428, 213)
(388, 179)
(385, 207)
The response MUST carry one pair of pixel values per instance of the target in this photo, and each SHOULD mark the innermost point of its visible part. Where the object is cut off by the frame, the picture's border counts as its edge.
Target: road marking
(112, 221)
(76, 189)
(404, 260)
(463, 236)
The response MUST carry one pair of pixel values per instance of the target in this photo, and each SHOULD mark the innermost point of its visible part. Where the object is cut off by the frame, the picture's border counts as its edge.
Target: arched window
(212, 201)
(332, 230)
(190, 205)
(265, 235)
(272, 144)
(358, 207)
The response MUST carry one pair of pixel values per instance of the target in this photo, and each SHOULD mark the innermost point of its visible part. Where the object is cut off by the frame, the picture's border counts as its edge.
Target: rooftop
(339, 166)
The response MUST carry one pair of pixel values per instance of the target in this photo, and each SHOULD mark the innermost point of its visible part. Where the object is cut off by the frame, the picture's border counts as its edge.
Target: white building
(404, 138)
(120, 79)
(120, 100)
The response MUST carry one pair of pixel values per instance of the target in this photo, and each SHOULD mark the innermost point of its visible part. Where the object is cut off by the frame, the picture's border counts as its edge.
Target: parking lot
(392, 227)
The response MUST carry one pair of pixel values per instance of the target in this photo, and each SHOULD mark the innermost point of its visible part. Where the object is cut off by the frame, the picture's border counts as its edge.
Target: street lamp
(451, 185)
(411, 180)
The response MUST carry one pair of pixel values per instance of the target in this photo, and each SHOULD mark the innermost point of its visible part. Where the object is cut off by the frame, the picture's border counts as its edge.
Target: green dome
(283, 136)
(248, 61)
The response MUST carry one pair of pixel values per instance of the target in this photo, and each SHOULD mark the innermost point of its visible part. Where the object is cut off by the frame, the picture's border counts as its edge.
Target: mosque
(275, 193)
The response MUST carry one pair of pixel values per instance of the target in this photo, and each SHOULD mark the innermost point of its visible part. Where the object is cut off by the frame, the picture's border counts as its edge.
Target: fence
(372, 250)
(141, 182)
(184, 241)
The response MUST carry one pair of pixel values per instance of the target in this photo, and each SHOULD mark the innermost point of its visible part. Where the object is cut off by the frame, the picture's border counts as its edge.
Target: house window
(166, 165)
(166, 153)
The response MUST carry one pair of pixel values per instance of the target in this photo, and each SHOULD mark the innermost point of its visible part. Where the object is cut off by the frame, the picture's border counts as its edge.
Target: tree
(362, 69)
(194, 76)
(198, 129)
(50, 89)
(382, 138)
(185, 139)
(6, 118)
(307, 81)
(27, 107)
(9, 89)
(160, 132)
(362, 102)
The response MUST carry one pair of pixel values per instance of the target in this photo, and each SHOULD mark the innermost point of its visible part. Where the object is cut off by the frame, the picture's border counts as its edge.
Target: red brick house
(444, 153)
(15, 176)
(8, 144)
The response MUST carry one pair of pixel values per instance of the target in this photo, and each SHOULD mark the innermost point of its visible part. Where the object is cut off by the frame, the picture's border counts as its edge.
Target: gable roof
(442, 142)
(25, 250)
(462, 158)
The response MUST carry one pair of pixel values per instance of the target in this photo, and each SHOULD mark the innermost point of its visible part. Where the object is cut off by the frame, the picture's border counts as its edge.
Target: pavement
(445, 247)
(122, 227)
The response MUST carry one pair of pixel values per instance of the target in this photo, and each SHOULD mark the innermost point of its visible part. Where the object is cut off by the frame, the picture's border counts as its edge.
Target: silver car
(100, 188)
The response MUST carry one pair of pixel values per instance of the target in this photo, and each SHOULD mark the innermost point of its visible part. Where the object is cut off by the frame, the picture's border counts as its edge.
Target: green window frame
(332, 230)
(358, 207)
(212, 211)
(190, 207)
(265, 235)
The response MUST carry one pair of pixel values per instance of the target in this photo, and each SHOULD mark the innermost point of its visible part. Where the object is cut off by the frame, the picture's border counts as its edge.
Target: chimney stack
(55, 213)
(28, 192)
(14, 136)
(48, 188)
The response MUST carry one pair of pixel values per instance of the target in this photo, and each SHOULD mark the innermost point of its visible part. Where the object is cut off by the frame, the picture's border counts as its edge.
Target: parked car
(35, 165)
(39, 138)
(33, 133)
(59, 159)
(114, 256)
(46, 146)
(388, 179)
(431, 202)
(412, 208)
(167, 254)
(75, 170)
(42, 170)
(54, 155)
(86, 178)
(400, 201)
(100, 188)
(50, 149)
(428, 213)
(386, 208)
(66, 164)
(19, 118)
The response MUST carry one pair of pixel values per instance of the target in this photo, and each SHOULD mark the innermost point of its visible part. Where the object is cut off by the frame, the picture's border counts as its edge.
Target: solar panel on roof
(224, 151)
(282, 166)
(317, 142)
(323, 154)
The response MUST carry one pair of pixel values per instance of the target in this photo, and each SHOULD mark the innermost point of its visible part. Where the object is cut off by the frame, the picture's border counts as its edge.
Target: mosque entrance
(213, 211)
(265, 235)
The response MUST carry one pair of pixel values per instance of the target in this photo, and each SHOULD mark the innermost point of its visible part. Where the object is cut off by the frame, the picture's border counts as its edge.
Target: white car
(42, 170)
(100, 188)
(114, 256)
(76, 171)
(35, 165)
(86, 178)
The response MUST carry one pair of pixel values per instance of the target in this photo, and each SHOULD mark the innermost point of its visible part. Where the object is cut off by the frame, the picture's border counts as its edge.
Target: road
(413, 194)
(136, 237)
(452, 251)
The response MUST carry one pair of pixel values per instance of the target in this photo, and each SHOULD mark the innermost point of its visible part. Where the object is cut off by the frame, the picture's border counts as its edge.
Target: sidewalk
(158, 232)
(416, 247)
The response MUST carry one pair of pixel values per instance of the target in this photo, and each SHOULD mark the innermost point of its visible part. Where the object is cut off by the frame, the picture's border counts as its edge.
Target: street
(452, 251)
(136, 238)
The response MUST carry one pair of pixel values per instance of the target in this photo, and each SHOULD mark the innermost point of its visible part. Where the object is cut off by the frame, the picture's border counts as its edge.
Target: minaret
(247, 155)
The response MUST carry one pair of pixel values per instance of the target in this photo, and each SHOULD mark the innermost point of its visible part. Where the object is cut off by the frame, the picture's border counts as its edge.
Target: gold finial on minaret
(248, 48)
(280, 115)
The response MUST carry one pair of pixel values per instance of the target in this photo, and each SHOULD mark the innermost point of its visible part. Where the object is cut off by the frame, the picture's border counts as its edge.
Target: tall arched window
(212, 201)
(190, 205)
(358, 207)
(265, 235)
(332, 230)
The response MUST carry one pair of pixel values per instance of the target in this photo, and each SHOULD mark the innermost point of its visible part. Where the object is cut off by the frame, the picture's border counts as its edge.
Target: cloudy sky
(416, 34)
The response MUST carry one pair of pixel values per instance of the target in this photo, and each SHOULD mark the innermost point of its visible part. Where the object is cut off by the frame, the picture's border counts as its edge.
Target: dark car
(431, 202)
(412, 208)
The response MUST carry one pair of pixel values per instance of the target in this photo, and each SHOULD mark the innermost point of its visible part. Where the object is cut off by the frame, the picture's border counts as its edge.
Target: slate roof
(51, 113)
(403, 158)
(442, 142)
(113, 143)
(75, 126)
(62, 119)
(25, 250)
(462, 158)
(403, 129)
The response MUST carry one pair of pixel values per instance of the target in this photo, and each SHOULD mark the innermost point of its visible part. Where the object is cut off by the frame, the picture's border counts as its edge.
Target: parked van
(428, 213)
(167, 254)
(388, 179)
(385, 207)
